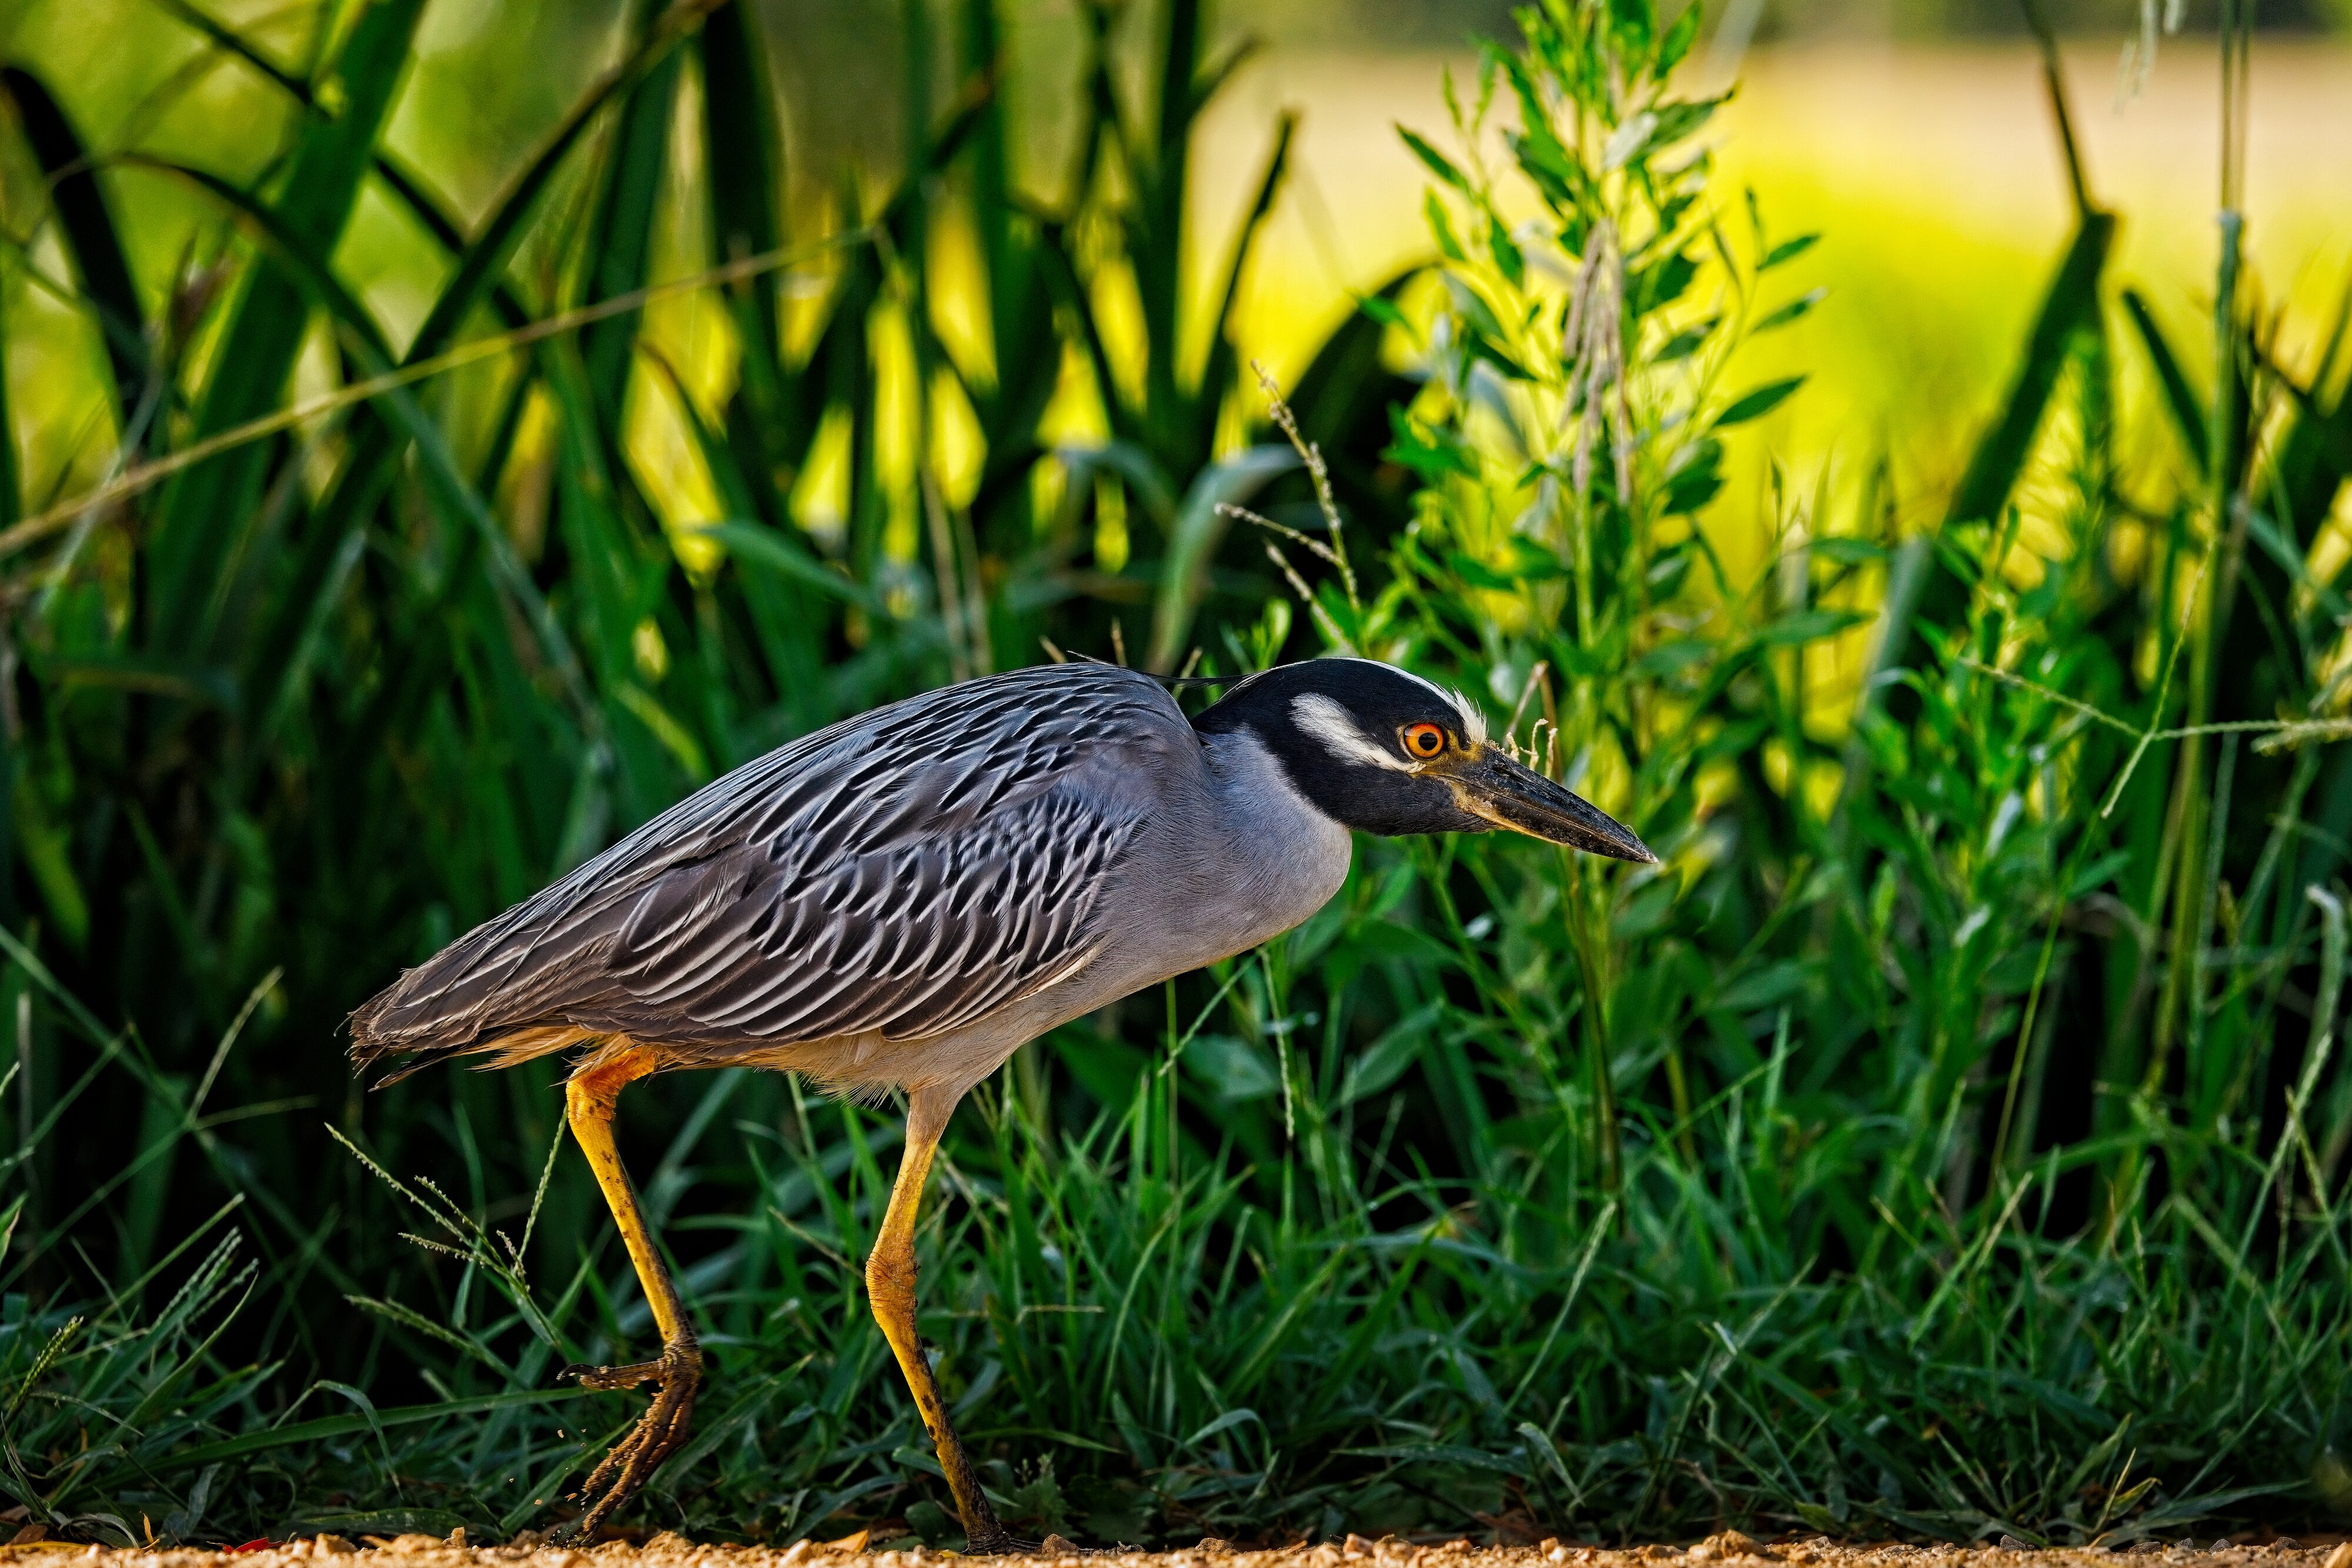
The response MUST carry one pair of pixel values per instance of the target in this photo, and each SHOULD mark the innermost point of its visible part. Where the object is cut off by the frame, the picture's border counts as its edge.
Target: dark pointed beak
(1509, 796)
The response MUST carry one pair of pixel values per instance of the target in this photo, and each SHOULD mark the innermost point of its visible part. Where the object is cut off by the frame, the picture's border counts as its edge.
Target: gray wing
(905, 872)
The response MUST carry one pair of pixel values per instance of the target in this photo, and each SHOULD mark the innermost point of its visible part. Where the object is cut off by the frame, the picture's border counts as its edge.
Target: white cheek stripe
(1331, 724)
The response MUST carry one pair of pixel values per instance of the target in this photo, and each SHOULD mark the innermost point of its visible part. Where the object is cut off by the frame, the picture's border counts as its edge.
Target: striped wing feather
(906, 873)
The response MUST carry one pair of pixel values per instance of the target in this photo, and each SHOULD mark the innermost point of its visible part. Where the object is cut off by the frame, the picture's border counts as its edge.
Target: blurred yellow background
(1934, 174)
(1929, 165)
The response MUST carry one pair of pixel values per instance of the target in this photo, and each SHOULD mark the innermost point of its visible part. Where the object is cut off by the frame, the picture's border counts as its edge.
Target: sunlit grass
(1934, 174)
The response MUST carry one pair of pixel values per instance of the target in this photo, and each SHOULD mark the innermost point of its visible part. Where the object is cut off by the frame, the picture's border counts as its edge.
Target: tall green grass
(318, 701)
(1947, 1140)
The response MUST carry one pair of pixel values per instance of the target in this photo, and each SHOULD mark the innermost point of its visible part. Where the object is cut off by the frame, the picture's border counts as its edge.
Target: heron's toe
(662, 1428)
(1005, 1543)
(614, 1376)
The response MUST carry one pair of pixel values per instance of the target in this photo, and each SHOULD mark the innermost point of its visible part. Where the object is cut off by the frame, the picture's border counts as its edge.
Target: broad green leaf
(1695, 477)
(1672, 658)
(1232, 1069)
(1507, 258)
(1846, 551)
(1686, 342)
(1440, 227)
(1390, 1055)
(1793, 310)
(1661, 283)
(1762, 985)
(1811, 626)
(1478, 574)
(1679, 37)
(1435, 161)
(1431, 455)
(1759, 403)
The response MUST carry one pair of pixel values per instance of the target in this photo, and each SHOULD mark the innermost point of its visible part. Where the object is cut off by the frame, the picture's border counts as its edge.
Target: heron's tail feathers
(501, 987)
(381, 1035)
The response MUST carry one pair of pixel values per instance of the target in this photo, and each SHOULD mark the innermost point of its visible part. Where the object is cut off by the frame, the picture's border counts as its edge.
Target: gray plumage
(965, 868)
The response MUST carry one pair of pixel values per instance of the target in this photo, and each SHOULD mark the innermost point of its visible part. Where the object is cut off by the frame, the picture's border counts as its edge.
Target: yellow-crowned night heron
(900, 901)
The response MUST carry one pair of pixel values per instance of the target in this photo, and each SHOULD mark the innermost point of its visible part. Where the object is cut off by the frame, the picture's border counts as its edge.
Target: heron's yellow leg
(588, 1101)
(890, 1286)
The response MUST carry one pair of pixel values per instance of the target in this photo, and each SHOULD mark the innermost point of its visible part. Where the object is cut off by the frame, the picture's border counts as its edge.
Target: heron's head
(1378, 749)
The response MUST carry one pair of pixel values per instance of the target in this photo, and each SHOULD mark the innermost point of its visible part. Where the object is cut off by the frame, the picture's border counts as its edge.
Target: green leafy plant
(311, 681)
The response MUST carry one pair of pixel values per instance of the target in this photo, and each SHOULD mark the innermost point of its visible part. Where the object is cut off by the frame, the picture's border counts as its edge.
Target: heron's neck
(1291, 853)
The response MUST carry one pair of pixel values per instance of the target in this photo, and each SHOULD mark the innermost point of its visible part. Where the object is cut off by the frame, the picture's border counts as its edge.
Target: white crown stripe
(1473, 721)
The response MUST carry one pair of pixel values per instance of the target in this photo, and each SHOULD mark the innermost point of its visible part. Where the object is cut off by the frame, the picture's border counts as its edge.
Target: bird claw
(614, 1376)
(1005, 1543)
(632, 1459)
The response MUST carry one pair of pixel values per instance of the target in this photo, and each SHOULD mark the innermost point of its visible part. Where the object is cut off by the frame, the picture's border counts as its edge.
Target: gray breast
(1219, 871)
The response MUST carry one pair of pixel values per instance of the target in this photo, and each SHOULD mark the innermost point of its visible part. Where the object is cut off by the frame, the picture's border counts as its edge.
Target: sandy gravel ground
(1728, 1551)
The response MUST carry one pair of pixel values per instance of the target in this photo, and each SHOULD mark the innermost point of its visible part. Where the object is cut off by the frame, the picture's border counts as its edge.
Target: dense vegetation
(1948, 1139)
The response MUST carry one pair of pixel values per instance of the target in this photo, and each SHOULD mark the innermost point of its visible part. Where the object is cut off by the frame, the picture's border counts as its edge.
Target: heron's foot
(1005, 1543)
(659, 1430)
(993, 1540)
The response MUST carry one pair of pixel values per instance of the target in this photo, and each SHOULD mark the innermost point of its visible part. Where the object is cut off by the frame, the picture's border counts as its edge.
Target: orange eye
(1423, 739)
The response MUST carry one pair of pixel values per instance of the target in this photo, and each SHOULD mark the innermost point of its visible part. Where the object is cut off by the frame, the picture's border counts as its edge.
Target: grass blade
(2069, 309)
(200, 507)
(2179, 401)
(87, 224)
